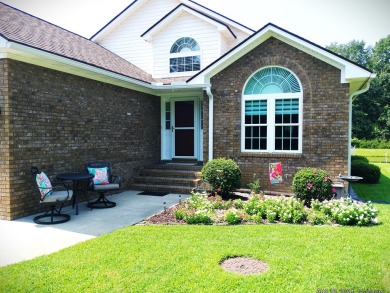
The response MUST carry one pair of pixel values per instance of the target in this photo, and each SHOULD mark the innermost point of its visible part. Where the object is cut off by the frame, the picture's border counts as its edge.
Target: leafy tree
(371, 110)
(355, 51)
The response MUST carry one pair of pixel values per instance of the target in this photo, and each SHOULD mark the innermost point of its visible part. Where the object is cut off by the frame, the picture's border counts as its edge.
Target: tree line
(371, 110)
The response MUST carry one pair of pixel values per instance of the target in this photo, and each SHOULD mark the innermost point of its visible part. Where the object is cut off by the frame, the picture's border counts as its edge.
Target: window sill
(271, 155)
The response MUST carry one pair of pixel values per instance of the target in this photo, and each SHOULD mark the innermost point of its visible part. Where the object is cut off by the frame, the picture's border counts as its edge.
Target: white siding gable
(125, 41)
(123, 36)
(186, 25)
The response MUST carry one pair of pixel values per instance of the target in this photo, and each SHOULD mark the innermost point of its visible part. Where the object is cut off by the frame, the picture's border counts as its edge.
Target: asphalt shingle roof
(20, 27)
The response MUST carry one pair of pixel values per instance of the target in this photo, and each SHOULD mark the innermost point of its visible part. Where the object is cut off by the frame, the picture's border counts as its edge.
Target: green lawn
(186, 259)
(375, 155)
(379, 192)
(375, 192)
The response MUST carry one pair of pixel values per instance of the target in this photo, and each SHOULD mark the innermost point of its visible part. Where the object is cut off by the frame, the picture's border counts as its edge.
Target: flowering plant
(201, 209)
(311, 183)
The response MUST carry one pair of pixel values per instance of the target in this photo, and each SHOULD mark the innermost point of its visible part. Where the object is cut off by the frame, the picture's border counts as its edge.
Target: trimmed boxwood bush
(222, 173)
(370, 172)
(310, 183)
(359, 158)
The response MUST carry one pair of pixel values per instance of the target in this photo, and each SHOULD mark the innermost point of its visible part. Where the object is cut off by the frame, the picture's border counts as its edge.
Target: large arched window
(184, 55)
(272, 112)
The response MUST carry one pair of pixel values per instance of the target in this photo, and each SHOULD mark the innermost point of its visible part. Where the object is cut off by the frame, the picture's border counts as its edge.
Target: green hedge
(370, 172)
(359, 158)
(371, 144)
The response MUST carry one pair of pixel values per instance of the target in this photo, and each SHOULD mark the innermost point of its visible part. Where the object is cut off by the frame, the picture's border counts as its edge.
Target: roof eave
(176, 12)
(228, 20)
(135, 4)
(349, 70)
(117, 19)
(27, 54)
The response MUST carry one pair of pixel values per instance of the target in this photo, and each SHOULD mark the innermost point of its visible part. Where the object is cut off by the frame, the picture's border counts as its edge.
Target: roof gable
(179, 10)
(137, 4)
(350, 71)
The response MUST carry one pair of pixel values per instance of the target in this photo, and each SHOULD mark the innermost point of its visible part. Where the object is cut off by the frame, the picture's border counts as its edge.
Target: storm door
(184, 129)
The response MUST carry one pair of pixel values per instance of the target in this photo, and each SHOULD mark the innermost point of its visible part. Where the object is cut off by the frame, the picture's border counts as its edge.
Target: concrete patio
(22, 239)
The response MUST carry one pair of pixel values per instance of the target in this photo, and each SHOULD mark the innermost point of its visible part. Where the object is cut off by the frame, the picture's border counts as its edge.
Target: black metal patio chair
(54, 196)
(103, 183)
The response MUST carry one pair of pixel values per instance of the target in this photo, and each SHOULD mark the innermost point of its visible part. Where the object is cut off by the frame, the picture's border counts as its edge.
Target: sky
(320, 21)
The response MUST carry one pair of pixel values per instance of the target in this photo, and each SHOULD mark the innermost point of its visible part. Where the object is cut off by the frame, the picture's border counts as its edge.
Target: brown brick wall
(58, 122)
(4, 140)
(325, 114)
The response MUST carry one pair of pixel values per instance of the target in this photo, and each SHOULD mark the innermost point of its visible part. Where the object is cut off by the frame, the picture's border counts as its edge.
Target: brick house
(167, 80)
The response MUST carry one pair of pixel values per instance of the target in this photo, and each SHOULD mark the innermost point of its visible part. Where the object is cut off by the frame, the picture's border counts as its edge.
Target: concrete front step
(168, 177)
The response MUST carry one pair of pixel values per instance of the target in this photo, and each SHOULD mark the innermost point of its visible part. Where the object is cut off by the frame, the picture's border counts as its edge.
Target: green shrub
(222, 173)
(359, 158)
(371, 144)
(179, 213)
(197, 201)
(216, 202)
(198, 217)
(292, 210)
(254, 206)
(309, 183)
(318, 218)
(271, 216)
(255, 185)
(233, 217)
(238, 203)
(346, 212)
(369, 172)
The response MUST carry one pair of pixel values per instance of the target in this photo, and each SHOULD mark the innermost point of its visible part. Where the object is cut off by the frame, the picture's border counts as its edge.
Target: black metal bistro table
(76, 177)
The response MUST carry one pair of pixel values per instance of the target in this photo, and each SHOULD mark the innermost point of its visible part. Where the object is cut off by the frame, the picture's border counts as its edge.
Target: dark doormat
(152, 193)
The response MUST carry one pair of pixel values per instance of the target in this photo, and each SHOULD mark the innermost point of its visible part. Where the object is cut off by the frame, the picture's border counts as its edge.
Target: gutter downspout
(211, 121)
(363, 89)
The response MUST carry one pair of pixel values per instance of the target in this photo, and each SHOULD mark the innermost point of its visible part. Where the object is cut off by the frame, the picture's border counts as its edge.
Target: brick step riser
(175, 167)
(190, 182)
(159, 188)
(168, 173)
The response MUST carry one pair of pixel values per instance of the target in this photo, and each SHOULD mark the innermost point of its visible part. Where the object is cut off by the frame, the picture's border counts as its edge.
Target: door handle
(172, 128)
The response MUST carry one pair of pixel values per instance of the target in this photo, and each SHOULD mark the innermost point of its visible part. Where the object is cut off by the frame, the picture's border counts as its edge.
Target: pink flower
(309, 185)
(334, 190)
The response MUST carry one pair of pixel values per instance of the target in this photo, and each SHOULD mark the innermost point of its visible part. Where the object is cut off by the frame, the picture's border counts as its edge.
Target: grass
(375, 192)
(375, 155)
(185, 258)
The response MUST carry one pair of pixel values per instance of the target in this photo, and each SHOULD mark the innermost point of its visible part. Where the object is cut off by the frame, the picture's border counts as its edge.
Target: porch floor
(22, 239)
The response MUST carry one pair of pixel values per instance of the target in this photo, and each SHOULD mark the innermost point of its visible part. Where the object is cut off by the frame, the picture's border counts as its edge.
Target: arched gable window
(272, 112)
(184, 55)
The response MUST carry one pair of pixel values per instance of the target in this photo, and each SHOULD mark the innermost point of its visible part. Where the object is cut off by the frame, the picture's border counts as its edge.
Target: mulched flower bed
(163, 218)
(167, 217)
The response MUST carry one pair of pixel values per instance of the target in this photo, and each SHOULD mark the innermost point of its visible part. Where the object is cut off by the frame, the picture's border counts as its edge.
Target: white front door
(181, 132)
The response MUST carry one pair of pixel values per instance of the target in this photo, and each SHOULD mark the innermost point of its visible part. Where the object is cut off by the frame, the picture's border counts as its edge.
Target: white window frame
(184, 54)
(271, 125)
